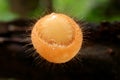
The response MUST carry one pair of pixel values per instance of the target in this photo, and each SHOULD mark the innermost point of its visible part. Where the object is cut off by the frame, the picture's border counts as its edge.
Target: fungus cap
(57, 38)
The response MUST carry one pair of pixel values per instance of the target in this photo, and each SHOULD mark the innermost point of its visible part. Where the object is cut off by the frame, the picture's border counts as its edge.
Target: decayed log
(99, 58)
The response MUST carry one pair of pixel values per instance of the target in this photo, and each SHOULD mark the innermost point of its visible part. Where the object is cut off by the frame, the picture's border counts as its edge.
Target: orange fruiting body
(57, 38)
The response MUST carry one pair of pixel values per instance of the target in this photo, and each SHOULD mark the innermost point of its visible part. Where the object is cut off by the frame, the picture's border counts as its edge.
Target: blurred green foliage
(88, 10)
(5, 13)
(79, 9)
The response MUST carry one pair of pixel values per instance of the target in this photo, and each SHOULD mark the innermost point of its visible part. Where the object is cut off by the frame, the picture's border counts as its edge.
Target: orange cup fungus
(57, 38)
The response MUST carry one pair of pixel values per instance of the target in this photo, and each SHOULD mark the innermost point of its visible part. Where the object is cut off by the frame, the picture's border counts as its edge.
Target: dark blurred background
(99, 58)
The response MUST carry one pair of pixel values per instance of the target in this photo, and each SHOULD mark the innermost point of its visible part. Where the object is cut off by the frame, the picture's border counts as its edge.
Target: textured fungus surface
(57, 38)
